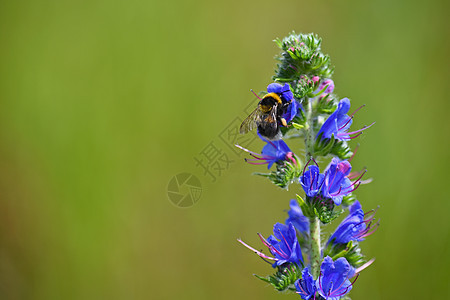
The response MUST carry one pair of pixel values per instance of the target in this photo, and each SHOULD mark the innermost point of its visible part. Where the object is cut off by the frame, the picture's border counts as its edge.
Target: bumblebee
(267, 117)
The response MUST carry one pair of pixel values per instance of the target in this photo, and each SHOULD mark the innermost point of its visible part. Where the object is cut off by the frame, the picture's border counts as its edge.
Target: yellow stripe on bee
(274, 96)
(266, 108)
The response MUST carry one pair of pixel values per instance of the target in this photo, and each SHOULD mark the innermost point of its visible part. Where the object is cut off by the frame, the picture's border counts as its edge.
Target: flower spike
(302, 103)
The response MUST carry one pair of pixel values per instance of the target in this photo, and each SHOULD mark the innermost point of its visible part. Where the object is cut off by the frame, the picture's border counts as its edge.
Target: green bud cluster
(301, 55)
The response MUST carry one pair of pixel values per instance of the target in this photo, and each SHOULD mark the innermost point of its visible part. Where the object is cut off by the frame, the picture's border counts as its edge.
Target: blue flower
(292, 111)
(306, 286)
(333, 282)
(354, 227)
(339, 122)
(336, 184)
(273, 152)
(283, 90)
(312, 181)
(296, 217)
(286, 96)
(283, 244)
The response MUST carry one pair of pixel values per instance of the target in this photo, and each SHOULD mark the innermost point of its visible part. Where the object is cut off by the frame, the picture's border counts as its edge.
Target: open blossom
(338, 124)
(354, 227)
(272, 152)
(312, 181)
(333, 282)
(283, 245)
(306, 286)
(334, 184)
(296, 217)
(283, 90)
(286, 96)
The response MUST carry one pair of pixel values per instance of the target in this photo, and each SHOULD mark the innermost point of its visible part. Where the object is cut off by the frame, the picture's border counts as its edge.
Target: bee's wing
(251, 121)
(271, 119)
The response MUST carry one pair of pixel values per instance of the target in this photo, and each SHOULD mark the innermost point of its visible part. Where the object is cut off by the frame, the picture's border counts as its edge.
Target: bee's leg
(283, 121)
(285, 106)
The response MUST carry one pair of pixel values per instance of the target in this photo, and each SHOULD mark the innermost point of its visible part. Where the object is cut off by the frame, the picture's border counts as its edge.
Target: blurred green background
(104, 101)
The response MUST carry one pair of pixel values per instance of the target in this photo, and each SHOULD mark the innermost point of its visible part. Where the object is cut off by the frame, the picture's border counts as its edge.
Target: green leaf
(326, 105)
(351, 251)
(341, 150)
(304, 206)
(284, 174)
(348, 200)
(284, 278)
(324, 209)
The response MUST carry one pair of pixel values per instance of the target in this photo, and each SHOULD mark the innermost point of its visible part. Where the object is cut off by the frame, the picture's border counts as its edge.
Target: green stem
(314, 238)
(314, 223)
(309, 137)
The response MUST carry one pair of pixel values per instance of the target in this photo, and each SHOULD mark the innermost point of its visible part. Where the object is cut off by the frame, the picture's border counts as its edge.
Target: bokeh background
(103, 102)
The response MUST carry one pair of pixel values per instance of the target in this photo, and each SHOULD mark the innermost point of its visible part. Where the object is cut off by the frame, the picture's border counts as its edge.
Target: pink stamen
(320, 283)
(333, 195)
(315, 161)
(348, 192)
(355, 136)
(343, 135)
(255, 94)
(349, 119)
(287, 244)
(341, 293)
(300, 285)
(364, 128)
(255, 163)
(357, 110)
(246, 150)
(334, 176)
(256, 251)
(329, 291)
(272, 248)
(263, 240)
(354, 188)
(364, 172)
(367, 181)
(272, 144)
(372, 212)
(339, 287)
(306, 165)
(364, 266)
(353, 175)
(355, 279)
(354, 152)
(374, 228)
